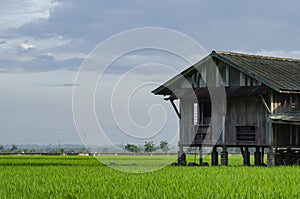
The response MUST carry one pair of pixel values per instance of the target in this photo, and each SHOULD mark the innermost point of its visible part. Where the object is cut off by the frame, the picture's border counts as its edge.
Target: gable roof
(280, 74)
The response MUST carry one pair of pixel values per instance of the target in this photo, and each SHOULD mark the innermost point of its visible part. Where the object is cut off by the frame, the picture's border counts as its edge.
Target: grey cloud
(237, 26)
(67, 85)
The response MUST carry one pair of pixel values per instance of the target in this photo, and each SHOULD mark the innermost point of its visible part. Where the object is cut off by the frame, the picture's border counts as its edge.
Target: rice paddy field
(86, 177)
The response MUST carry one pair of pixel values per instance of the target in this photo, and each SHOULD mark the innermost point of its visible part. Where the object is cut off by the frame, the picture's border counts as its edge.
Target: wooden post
(200, 155)
(214, 157)
(246, 157)
(224, 157)
(262, 155)
(181, 158)
(271, 156)
(289, 156)
(257, 157)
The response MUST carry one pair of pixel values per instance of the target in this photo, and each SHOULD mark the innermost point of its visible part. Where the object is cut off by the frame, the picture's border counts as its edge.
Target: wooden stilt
(262, 155)
(200, 155)
(224, 157)
(214, 157)
(181, 158)
(257, 157)
(246, 157)
(271, 158)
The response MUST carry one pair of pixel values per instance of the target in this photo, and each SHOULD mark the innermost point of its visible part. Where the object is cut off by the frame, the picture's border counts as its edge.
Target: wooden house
(262, 106)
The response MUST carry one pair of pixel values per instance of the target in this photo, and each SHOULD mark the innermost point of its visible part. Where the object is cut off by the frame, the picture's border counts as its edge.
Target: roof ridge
(256, 56)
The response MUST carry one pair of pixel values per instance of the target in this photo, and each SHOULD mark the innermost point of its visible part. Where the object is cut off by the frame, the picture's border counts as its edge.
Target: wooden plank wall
(246, 111)
(187, 129)
(286, 136)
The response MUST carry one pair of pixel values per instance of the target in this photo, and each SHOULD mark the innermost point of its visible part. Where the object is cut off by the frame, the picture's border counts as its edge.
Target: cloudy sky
(44, 43)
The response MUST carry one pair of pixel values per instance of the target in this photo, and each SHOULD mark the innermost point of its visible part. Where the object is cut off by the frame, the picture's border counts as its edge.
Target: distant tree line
(40, 149)
(149, 147)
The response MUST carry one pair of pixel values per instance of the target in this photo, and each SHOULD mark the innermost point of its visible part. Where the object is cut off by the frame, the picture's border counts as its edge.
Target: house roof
(280, 74)
(291, 116)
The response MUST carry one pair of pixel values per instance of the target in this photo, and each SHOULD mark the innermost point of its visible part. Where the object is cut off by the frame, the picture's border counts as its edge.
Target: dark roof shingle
(280, 73)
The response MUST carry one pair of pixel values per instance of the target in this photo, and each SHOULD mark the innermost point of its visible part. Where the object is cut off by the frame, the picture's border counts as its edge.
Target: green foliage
(132, 148)
(85, 177)
(149, 147)
(71, 196)
(14, 148)
(164, 145)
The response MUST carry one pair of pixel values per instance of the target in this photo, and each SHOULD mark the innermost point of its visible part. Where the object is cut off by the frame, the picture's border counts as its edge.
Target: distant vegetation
(148, 147)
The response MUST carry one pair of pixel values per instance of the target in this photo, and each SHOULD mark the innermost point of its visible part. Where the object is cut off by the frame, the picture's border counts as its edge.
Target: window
(245, 133)
(201, 113)
(195, 114)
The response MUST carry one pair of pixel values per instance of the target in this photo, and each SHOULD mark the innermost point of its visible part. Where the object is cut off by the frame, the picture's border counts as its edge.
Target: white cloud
(26, 46)
(14, 14)
(20, 49)
(280, 53)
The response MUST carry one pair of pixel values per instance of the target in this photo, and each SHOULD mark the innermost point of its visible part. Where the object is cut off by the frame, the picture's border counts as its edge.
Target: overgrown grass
(85, 177)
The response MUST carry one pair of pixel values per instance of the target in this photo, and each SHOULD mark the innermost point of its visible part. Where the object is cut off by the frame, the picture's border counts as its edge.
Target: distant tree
(14, 148)
(62, 150)
(191, 149)
(1, 148)
(149, 147)
(164, 145)
(132, 148)
(32, 151)
(105, 150)
(25, 150)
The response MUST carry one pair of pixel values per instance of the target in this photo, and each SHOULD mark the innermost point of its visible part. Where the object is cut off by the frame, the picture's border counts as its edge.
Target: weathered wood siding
(246, 111)
(285, 102)
(286, 136)
(187, 129)
(207, 75)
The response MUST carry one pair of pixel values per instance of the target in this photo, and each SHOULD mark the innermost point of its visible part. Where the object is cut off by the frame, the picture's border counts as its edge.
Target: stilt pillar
(246, 156)
(224, 157)
(262, 155)
(257, 157)
(214, 157)
(181, 158)
(200, 155)
(271, 157)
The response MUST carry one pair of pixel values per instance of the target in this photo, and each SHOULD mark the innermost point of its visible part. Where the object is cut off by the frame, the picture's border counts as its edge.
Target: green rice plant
(85, 177)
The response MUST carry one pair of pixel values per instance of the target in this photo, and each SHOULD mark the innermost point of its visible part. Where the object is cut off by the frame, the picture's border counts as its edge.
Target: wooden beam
(265, 104)
(175, 108)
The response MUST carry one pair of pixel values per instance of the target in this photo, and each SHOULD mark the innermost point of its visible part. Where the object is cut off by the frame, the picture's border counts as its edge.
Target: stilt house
(262, 106)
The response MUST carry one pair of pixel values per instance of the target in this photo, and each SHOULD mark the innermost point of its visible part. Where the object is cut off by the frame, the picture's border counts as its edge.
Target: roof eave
(177, 77)
(289, 92)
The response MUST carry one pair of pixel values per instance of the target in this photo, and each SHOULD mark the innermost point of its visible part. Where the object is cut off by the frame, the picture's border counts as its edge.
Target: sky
(43, 44)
